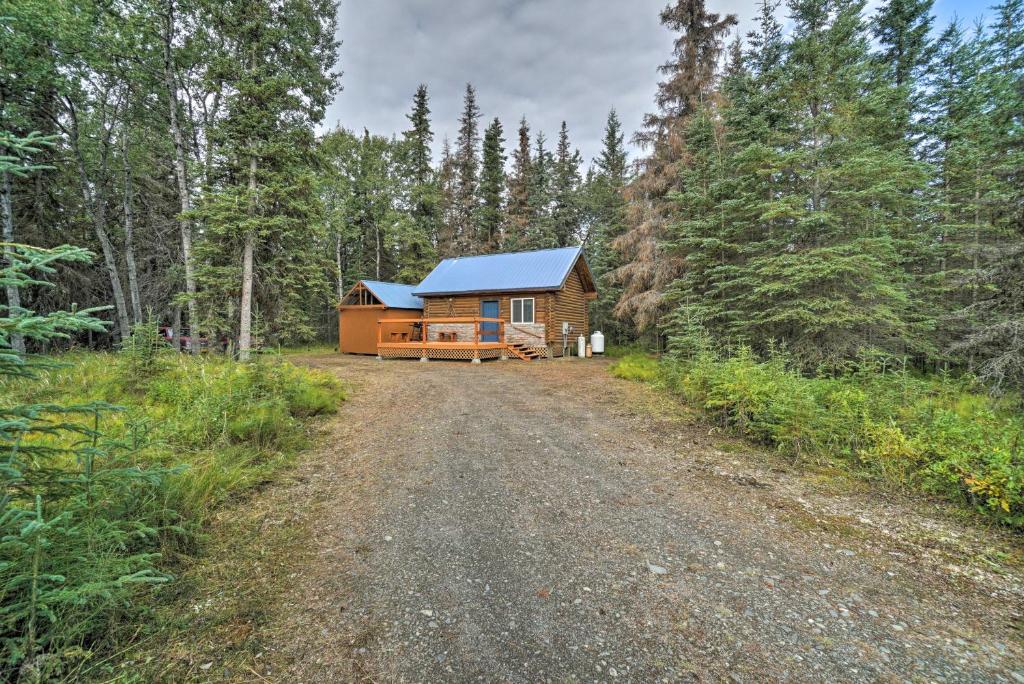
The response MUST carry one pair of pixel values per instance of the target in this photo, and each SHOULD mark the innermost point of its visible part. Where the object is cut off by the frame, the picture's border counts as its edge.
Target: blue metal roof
(545, 269)
(394, 295)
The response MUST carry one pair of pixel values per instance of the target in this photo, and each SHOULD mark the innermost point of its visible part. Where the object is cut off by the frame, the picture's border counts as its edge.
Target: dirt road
(547, 522)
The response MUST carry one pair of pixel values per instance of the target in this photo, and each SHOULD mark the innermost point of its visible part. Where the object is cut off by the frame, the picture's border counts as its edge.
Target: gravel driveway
(547, 522)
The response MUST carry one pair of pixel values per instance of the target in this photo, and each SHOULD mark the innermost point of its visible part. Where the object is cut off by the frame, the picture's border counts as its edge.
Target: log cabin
(534, 295)
(524, 305)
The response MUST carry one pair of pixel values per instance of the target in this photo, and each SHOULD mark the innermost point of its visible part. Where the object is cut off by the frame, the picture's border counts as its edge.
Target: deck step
(522, 352)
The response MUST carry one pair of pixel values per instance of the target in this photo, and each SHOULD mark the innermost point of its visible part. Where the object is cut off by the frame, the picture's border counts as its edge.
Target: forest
(819, 231)
(847, 187)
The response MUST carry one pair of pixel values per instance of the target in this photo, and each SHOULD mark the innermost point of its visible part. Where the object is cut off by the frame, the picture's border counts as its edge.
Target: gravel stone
(512, 484)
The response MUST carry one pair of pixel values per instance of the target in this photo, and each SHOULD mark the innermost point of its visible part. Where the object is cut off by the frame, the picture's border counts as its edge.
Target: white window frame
(512, 310)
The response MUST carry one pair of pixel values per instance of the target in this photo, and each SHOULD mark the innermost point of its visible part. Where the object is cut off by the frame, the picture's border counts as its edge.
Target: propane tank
(581, 346)
(597, 342)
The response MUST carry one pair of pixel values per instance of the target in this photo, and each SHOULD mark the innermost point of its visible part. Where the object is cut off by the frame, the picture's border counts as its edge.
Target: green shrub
(635, 366)
(933, 434)
(307, 400)
(143, 355)
(80, 516)
(306, 393)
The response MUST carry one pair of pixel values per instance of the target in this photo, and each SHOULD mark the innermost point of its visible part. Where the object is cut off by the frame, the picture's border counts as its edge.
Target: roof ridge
(384, 282)
(504, 271)
(525, 251)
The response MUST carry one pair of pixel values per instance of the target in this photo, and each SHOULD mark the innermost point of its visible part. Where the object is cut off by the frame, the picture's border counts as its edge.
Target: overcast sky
(550, 60)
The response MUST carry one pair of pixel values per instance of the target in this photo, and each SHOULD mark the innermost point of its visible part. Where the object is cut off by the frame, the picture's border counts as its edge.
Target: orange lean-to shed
(368, 302)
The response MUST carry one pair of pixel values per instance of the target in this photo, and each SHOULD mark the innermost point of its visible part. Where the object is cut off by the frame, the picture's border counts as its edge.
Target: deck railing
(402, 336)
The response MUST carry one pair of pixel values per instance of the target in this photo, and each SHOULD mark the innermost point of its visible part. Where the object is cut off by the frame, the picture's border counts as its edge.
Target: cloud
(550, 60)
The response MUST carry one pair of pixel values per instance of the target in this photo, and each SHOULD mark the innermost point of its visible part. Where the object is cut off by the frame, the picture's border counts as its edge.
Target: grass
(195, 438)
(616, 351)
(215, 613)
(932, 434)
(320, 348)
(636, 366)
(230, 425)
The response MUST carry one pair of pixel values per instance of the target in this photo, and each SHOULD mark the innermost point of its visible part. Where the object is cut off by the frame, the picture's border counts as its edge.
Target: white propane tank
(597, 342)
(581, 346)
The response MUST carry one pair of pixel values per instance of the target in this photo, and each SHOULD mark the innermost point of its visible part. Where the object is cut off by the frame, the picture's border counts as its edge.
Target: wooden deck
(459, 337)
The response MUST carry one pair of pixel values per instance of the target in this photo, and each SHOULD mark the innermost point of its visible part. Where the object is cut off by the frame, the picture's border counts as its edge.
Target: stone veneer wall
(530, 334)
(463, 331)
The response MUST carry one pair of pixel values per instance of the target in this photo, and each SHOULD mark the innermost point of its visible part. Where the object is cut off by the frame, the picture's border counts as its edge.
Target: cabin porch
(468, 338)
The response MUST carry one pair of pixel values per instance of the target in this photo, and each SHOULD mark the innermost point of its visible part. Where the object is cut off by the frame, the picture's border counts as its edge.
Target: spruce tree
(448, 208)
(518, 205)
(837, 285)
(606, 206)
(419, 136)
(566, 214)
(540, 231)
(994, 151)
(492, 189)
(420, 230)
(902, 29)
(648, 271)
(757, 121)
(700, 233)
(263, 219)
(962, 145)
(467, 167)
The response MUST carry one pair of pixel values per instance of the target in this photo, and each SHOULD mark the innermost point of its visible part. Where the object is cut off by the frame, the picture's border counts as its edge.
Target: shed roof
(394, 295)
(544, 269)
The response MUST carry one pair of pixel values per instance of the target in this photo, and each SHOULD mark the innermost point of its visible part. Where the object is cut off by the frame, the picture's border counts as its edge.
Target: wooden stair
(522, 352)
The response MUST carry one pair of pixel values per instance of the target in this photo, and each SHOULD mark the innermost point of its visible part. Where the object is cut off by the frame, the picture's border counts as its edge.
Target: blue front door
(489, 331)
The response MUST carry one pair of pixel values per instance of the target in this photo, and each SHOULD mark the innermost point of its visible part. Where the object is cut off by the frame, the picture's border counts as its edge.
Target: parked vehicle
(167, 333)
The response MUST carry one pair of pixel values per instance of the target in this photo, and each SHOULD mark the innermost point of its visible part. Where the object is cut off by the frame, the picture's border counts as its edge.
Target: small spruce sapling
(76, 515)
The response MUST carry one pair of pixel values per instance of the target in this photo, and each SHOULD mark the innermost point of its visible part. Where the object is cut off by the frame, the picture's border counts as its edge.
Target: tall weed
(116, 494)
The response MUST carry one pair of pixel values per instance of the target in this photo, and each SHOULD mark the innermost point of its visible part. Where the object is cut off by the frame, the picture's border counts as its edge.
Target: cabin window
(522, 310)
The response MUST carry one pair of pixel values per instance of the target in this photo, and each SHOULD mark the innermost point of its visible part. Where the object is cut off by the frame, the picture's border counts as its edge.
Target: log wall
(550, 309)
(569, 304)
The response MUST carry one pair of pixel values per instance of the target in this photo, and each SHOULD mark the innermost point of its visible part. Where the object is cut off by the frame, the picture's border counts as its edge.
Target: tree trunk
(129, 237)
(182, 179)
(976, 247)
(124, 327)
(376, 232)
(98, 213)
(337, 261)
(13, 296)
(245, 324)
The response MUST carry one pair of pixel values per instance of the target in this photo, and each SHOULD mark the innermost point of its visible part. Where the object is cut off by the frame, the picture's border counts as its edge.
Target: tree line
(176, 140)
(178, 143)
(849, 187)
(393, 212)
